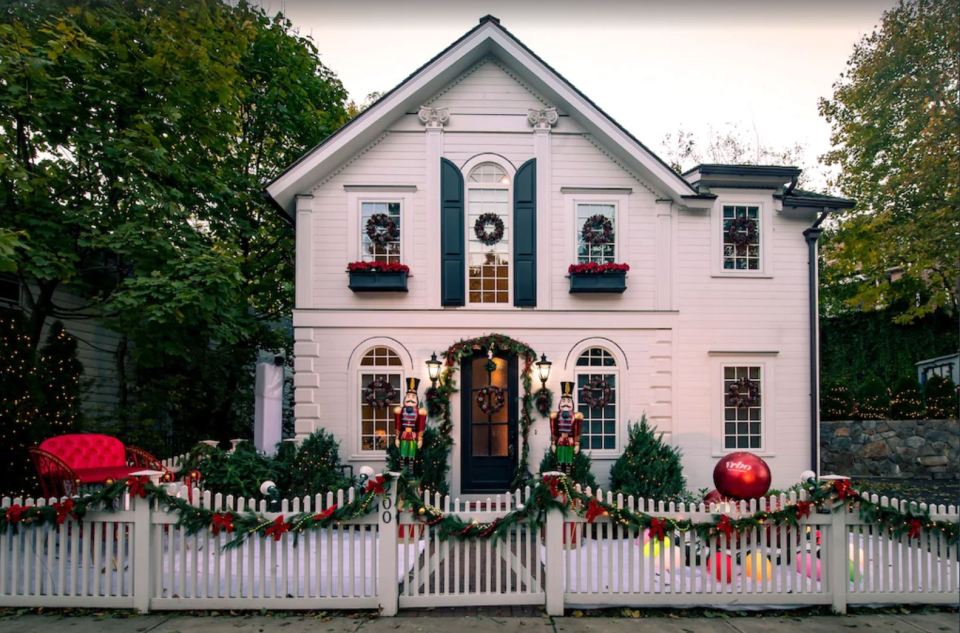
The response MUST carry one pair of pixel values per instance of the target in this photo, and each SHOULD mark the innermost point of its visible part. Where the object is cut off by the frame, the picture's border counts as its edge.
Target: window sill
(369, 456)
(741, 275)
(602, 453)
(727, 451)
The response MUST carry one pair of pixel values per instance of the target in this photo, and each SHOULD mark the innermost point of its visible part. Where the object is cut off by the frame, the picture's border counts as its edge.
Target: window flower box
(596, 278)
(378, 277)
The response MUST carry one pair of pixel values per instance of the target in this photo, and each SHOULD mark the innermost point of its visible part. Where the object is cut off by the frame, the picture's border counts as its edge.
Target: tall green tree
(895, 120)
(135, 138)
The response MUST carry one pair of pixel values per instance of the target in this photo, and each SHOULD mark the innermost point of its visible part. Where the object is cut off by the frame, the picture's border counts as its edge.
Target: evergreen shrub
(872, 400)
(906, 403)
(316, 467)
(581, 468)
(940, 398)
(648, 467)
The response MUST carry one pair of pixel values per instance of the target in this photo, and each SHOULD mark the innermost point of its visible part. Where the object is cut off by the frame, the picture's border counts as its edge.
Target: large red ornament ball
(742, 475)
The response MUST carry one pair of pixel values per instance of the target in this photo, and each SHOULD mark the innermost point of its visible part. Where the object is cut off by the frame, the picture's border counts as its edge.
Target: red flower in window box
(593, 268)
(380, 267)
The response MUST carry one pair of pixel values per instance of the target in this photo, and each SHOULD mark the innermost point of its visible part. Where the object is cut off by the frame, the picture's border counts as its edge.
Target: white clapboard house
(488, 174)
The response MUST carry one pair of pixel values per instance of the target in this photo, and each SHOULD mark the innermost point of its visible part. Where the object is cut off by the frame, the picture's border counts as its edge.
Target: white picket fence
(136, 557)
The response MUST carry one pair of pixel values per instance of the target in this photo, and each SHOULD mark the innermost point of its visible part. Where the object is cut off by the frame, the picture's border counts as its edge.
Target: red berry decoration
(742, 475)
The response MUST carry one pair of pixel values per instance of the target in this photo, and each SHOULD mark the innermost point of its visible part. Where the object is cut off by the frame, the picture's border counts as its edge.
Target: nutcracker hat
(566, 389)
(412, 385)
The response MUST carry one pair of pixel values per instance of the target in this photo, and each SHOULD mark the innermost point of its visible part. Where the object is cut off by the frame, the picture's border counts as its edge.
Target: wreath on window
(743, 393)
(597, 230)
(381, 229)
(742, 231)
(595, 393)
(491, 399)
(379, 393)
(488, 228)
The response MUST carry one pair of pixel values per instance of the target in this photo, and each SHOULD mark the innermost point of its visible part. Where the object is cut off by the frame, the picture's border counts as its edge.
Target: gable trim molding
(487, 38)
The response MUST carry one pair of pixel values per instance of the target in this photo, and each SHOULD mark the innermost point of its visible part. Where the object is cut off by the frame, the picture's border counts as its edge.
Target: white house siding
(671, 322)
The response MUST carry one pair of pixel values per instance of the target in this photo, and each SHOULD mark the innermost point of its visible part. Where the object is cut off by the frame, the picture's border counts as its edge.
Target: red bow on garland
(844, 490)
(326, 514)
(656, 529)
(375, 485)
(915, 526)
(15, 513)
(137, 486)
(63, 510)
(553, 482)
(594, 509)
(277, 528)
(221, 522)
(725, 526)
(803, 509)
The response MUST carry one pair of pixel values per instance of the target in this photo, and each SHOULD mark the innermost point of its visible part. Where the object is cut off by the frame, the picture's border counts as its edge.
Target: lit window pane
(376, 421)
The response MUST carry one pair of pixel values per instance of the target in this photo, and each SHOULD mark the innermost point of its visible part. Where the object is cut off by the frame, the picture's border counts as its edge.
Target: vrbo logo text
(738, 466)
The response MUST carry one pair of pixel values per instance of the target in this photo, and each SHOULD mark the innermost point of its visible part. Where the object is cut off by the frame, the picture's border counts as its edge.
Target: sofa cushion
(87, 450)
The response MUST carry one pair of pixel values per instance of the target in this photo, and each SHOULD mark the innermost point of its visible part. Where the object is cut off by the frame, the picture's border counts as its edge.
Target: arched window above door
(489, 229)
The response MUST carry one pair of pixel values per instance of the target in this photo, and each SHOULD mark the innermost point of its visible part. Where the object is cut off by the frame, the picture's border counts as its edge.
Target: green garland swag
(448, 386)
(551, 492)
(194, 519)
(556, 491)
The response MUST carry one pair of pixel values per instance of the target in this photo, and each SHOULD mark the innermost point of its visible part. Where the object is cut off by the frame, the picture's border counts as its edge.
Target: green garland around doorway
(434, 477)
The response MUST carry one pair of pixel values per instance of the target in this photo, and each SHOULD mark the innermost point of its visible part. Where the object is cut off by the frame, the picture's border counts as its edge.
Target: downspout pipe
(811, 235)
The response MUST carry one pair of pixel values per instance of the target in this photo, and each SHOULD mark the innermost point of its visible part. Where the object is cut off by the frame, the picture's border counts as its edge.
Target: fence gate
(477, 572)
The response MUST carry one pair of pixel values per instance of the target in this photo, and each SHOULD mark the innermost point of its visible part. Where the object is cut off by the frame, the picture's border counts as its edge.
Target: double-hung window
(741, 237)
(742, 407)
(596, 227)
(380, 231)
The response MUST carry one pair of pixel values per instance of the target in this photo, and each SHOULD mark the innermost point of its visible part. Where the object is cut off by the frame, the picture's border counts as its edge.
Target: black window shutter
(452, 271)
(525, 235)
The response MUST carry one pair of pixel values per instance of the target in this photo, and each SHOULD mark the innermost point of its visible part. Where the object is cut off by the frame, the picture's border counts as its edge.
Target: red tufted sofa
(86, 458)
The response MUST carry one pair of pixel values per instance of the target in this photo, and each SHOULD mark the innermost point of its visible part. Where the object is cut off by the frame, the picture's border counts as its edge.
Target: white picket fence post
(837, 570)
(553, 565)
(142, 572)
(387, 587)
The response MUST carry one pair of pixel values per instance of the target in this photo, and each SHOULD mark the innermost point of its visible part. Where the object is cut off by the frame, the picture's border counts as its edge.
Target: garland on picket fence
(553, 491)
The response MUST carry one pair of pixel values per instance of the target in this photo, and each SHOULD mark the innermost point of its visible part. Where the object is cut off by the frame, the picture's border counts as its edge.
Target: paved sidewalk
(938, 622)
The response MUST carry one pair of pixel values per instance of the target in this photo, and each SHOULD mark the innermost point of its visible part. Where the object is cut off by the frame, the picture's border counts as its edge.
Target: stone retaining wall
(909, 449)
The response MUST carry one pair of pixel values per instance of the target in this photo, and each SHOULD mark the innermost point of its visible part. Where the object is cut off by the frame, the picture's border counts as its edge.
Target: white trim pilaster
(303, 262)
(433, 120)
(542, 122)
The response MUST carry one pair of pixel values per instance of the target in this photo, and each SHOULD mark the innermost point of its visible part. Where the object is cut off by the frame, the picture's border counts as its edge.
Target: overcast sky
(655, 66)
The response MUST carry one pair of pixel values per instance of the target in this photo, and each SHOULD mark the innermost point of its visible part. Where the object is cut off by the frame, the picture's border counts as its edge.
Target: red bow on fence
(63, 510)
(137, 486)
(594, 510)
(803, 509)
(915, 526)
(656, 529)
(725, 526)
(277, 528)
(553, 482)
(221, 522)
(375, 485)
(844, 490)
(326, 514)
(15, 513)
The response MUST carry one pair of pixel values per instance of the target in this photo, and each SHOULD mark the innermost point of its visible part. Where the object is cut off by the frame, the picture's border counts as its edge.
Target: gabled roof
(489, 37)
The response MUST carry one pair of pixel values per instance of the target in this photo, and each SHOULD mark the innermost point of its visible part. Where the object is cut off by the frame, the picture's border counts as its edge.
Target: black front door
(488, 422)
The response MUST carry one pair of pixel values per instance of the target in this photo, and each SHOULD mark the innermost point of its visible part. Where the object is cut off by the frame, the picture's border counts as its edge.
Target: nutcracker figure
(409, 422)
(565, 430)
